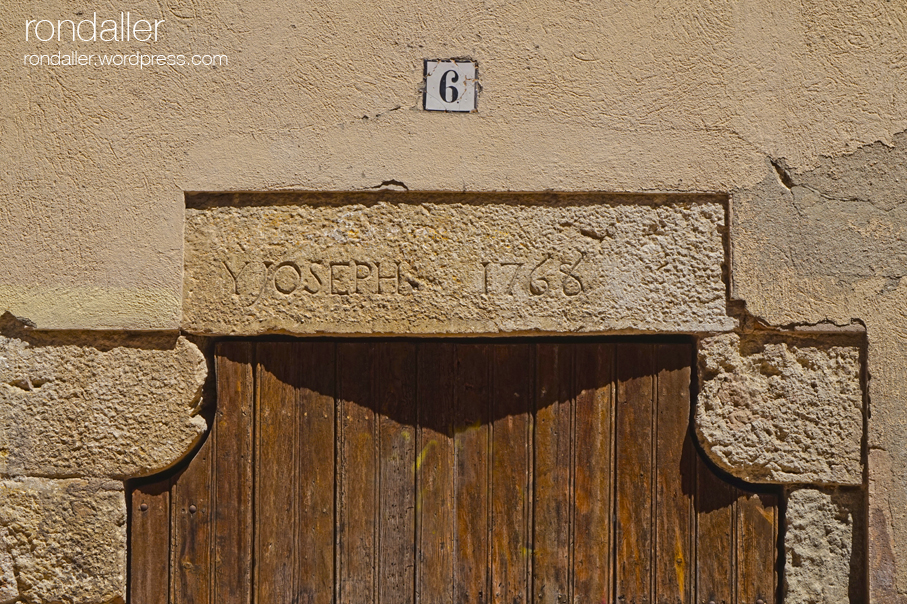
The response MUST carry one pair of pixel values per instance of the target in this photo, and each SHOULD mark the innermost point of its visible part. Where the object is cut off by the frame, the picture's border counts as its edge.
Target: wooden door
(392, 472)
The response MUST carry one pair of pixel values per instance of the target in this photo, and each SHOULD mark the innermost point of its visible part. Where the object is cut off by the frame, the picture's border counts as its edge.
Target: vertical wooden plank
(468, 473)
(634, 539)
(553, 463)
(435, 473)
(232, 459)
(714, 537)
(315, 473)
(510, 470)
(674, 484)
(149, 538)
(756, 547)
(357, 475)
(592, 561)
(275, 506)
(395, 391)
(190, 529)
(471, 443)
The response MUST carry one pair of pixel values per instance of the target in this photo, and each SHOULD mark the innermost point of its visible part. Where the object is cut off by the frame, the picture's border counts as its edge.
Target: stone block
(62, 541)
(118, 407)
(781, 409)
(442, 263)
(823, 547)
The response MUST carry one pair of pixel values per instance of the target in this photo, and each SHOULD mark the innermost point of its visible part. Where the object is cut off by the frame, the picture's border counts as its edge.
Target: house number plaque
(450, 85)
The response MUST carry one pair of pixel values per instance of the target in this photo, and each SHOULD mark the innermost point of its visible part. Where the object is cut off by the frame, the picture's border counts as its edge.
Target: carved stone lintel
(440, 268)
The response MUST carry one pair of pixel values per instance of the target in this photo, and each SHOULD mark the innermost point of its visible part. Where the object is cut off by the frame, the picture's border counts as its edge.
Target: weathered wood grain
(276, 501)
(395, 392)
(315, 471)
(190, 526)
(472, 446)
(553, 498)
(715, 550)
(635, 464)
(673, 477)
(357, 479)
(149, 534)
(593, 557)
(232, 481)
(511, 452)
(449, 472)
(757, 535)
(434, 468)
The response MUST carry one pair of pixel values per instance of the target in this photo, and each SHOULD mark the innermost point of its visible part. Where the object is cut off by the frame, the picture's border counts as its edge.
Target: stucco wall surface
(791, 107)
(614, 96)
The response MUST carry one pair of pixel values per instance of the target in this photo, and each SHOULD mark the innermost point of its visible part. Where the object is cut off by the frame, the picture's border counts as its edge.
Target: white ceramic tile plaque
(450, 85)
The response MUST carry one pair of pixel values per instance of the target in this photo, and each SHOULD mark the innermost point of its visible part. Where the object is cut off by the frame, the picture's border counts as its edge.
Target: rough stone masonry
(782, 408)
(97, 164)
(466, 265)
(78, 414)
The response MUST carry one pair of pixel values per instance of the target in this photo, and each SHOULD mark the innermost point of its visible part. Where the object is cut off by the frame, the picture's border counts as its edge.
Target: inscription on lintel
(317, 277)
(537, 279)
(454, 268)
(249, 280)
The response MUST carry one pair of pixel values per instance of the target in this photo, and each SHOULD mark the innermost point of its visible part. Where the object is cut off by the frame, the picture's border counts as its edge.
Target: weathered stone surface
(826, 243)
(776, 410)
(882, 563)
(427, 264)
(9, 588)
(91, 406)
(64, 541)
(96, 162)
(823, 547)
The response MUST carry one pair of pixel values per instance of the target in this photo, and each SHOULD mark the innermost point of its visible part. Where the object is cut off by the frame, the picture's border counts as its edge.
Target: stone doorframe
(86, 411)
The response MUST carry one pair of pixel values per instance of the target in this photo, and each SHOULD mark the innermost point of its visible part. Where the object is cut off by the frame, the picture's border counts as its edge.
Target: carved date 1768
(538, 278)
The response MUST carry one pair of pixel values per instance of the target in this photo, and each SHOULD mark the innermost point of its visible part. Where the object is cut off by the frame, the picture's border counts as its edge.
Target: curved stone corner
(781, 409)
(74, 406)
(62, 541)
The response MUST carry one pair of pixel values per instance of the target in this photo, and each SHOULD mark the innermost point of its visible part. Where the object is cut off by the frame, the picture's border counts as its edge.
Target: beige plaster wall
(613, 96)
(605, 96)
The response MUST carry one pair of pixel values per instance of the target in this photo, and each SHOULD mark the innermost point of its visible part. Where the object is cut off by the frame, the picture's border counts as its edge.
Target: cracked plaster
(92, 184)
(830, 245)
(667, 96)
